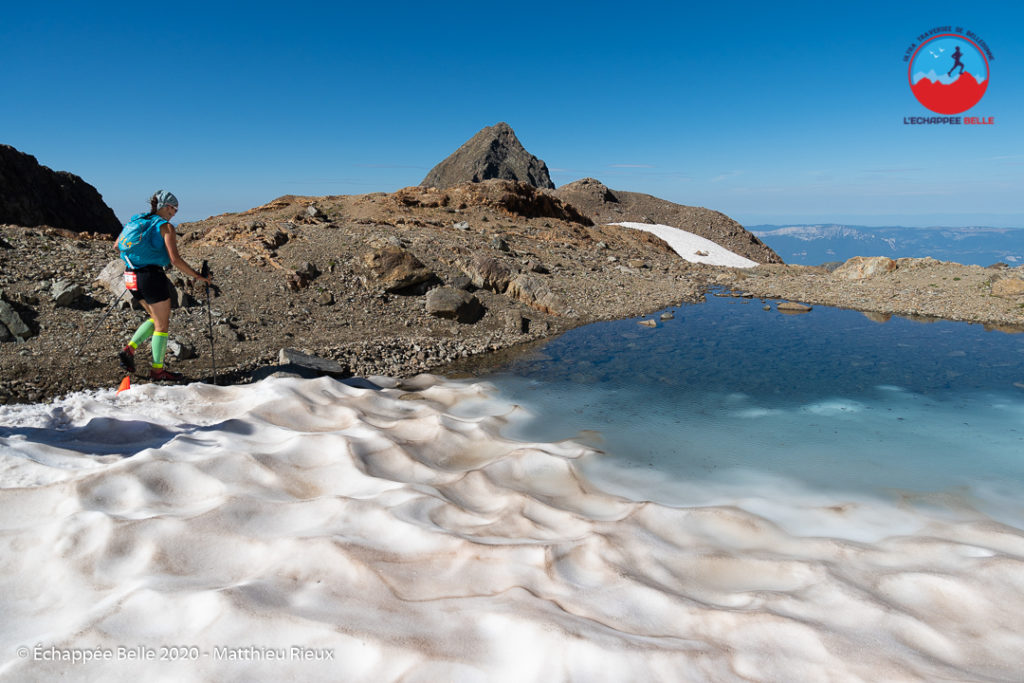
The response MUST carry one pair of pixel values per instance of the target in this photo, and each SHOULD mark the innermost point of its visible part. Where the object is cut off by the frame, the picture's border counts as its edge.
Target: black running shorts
(152, 285)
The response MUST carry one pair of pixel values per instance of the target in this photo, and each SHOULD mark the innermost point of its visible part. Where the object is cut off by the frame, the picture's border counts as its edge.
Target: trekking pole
(205, 272)
(97, 326)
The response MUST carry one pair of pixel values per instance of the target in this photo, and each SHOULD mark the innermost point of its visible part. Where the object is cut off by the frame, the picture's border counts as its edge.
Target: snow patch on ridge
(693, 248)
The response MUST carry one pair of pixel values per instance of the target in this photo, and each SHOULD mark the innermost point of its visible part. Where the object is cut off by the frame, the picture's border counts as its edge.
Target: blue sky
(770, 114)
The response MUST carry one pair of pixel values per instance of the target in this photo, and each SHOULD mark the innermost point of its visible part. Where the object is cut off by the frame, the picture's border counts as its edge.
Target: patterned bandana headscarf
(165, 198)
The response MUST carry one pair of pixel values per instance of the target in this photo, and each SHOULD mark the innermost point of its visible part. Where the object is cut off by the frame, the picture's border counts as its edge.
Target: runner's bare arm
(171, 242)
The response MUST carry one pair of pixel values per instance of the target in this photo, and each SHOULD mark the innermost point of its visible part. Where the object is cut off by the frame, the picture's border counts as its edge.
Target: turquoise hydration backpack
(141, 243)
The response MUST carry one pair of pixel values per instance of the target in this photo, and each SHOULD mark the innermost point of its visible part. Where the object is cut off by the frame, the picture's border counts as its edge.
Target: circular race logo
(948, 73)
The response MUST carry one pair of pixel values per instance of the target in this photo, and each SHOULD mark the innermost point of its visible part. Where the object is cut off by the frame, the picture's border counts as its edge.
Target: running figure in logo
(956, 56)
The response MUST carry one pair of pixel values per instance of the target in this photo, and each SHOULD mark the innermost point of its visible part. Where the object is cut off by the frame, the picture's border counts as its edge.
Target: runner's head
(161, 199)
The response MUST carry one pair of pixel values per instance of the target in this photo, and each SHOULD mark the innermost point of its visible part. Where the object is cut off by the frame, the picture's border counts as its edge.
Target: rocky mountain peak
(494, 152)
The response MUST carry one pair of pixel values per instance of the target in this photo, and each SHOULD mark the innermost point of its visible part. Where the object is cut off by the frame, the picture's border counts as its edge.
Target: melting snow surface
(263, 526)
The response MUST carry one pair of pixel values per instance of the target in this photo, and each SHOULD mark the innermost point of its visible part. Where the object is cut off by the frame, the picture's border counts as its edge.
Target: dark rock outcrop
(32, 195)
(605, 206)
(494, 152)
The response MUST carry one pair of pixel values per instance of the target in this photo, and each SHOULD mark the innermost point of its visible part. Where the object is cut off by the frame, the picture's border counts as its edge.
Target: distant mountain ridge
(814, 244)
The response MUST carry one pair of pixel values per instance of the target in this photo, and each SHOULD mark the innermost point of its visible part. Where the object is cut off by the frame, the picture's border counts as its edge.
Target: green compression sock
(159, 348)
(142, 334)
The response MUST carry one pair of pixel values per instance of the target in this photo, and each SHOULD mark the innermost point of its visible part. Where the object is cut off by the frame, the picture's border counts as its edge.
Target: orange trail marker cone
(126, 384)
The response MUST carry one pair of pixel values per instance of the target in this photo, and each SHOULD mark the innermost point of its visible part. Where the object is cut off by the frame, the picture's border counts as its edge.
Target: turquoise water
(729, 401)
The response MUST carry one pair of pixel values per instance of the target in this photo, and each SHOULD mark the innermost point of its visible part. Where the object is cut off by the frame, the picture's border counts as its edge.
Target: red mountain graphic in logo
(958, 96)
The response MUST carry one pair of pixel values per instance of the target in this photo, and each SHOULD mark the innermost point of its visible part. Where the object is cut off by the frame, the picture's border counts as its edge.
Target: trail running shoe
(126, 358)
(165, 375)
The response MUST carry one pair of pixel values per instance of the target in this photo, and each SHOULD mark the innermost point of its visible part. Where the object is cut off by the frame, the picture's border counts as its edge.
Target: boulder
(489, 273)
(180, 285)
(462, 282)
(296, 282)
(494, 152)
(535, 293)
(65, 293)
(275, 239)
(181, 351)
(12, 322)
(535, 267)
(316, 213)
(863, 267)
(32, 194)
(454, 304)
(320, 366)
(1011, 286)
(111, 278)
(397, 269)
(307, 270)
(791, 307)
